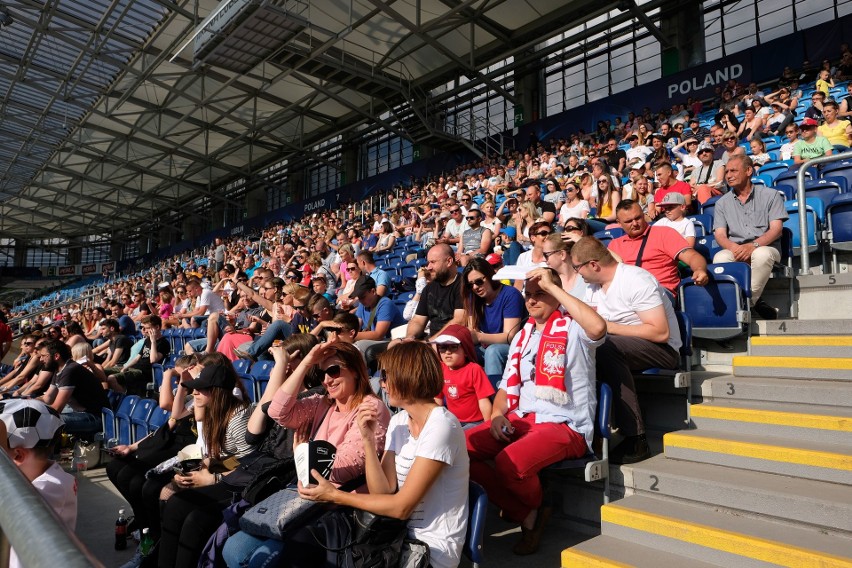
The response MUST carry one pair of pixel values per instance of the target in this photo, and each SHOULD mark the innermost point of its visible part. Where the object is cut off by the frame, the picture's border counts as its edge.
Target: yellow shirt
(836, 133)
(823, 86)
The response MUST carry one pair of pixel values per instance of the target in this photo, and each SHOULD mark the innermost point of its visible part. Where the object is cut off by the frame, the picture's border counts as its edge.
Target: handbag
(354, 538)
(274, 515)
(414, 554)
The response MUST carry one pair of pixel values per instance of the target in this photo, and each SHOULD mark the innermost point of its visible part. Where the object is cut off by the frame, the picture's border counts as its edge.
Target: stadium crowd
(493, 380)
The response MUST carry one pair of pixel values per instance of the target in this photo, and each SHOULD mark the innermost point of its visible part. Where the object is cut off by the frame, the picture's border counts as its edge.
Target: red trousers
(511, 481)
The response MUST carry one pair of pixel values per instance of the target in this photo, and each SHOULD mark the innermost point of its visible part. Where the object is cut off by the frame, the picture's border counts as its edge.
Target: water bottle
(147, 543)
(121, 531)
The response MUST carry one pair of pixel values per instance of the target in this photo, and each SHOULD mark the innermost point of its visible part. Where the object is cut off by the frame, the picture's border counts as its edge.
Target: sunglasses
(577, 267)
(477, 282)
(28, 343)
(351, 268)
(472, 217)
(454, 211)
(547, 255)
(332, 371)
(302, 307)
(447, 347)
(292, 277)
(542, 233)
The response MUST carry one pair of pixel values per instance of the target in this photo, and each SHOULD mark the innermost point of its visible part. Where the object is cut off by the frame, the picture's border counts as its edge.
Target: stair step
(721, 537)
(607, 552)
(817, 423)
(792, 499)
(804, 327)
(793, 367)
(810, 460)
(802, 345)
(801, 391)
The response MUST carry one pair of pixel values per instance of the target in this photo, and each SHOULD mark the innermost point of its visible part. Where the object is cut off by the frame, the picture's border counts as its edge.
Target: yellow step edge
(571, 557)
(803, 340)
(773, 552)
(775, 417)
(840, 364)
(800, 456)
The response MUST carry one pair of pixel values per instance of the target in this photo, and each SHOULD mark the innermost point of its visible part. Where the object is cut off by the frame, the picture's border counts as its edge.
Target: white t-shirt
(577, 211)
(525, 259)
(633, 290)
(59, 489)
(683, 226)
(440, 519)
(454, 229)
(212, 300)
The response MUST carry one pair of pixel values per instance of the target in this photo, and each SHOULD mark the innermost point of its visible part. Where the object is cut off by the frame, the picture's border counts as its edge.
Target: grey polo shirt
(747, 221)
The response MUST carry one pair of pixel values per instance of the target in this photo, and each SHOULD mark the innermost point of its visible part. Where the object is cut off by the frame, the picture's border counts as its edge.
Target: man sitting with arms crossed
(747, 223)
(440, 303)
(136, 373)
(657, 249)
(642, 333)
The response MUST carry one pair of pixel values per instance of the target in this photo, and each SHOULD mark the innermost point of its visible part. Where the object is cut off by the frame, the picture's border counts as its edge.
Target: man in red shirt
(661, 248)
(669, 183)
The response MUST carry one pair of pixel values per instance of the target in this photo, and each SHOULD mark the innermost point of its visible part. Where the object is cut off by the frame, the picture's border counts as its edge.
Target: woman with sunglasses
(609, 196)
(422, 476)
(20, 362)
(534, 257)
(493, 314)
(331, 417)
(557, 252)
(575, 205)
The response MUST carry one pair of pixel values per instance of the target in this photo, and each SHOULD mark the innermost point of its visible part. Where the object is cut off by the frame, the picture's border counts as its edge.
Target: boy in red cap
(467, 390)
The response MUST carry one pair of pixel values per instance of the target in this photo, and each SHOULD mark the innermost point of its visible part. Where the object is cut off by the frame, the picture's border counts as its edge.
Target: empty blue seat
(703, 224)
(139, 418)
(241, 366)
(842, 169)
(839, 221)
(122, 417)
(261, 369)
(248, 382)
(826, 188)
(708, 206)
(719, 310)
(772, 170)
(158, 418)
(169, 362)
(707, 247)
(815, 211)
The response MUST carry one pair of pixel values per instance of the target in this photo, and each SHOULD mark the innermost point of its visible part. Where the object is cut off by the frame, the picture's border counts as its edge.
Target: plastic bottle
(147, 543)
(121, 531)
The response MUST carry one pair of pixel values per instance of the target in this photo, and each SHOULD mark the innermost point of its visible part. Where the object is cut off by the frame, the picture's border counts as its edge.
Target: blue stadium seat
(261, 369)
(260, 386)
(248, 382)
(241, 366)
(594, 467)
(815, 211)
(826, 188)
(839, 221)
(719, 310)
(842, 169)
(139, 418)
(703, 224)
(169, 362)
(477, 512)
(707, 206)
(122, 417)
(707, 247)
(772, 170)
(108, 421)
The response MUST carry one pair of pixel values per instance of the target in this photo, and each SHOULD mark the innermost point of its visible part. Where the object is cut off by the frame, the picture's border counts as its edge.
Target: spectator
(540, 421)
(554, 194)
(811, 145)
(137, 371)
(707, 178)
(543, 209)
(731, 147)
(609, 196)
(456, 226)
(32, 456)
(377, 316)
(751, 126)
(814, 111)
(674, 216)
(641, 333)
(557, 252)
(74, 386)
(117, 346)
(824, 82)
(668, 184)
(467, 390)
(441, 301)
(615, 155)
(792, 132)
(342, 327)
(493, 313)
(368, 267)
(750, 235)
(532, 258)
(657, 249)
(476, 240)
(837, 132)
(638, 153)
(575, 205)
(846, 103)
(387, 238)
(759, 156)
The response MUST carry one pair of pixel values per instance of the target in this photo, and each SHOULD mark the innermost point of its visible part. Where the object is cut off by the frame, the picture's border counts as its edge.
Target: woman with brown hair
(424, 468)
(557, 255)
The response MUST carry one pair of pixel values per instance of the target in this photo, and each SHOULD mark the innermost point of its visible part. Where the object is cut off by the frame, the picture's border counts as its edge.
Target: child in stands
(29, 433)
(467, 390)
(674, 209)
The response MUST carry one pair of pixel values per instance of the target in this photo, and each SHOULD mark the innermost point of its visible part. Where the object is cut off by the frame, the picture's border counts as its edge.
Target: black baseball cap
(212, 376)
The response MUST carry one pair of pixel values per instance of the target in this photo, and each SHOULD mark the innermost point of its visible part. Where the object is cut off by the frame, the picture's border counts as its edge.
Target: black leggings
(128, 476)
(189, 518)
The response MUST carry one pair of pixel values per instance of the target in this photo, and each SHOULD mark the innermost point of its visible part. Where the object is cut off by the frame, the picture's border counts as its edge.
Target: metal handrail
(800, 197)
(39, 524)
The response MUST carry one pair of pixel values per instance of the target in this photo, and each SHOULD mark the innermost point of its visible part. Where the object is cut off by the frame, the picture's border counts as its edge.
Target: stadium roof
(115, 111)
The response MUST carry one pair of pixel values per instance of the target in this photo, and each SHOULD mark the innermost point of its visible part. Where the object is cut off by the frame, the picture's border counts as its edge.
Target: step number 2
(654, 482)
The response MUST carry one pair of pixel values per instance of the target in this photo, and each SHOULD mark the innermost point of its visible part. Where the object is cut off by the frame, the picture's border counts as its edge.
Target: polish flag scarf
(550, 358)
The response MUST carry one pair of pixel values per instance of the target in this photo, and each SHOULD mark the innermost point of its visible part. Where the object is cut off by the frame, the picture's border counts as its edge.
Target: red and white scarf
(549, 362)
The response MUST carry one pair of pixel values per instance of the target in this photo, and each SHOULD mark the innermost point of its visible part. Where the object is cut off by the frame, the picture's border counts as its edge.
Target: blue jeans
(81, 422)
(243, 550)
(276, 330)
(495, 357)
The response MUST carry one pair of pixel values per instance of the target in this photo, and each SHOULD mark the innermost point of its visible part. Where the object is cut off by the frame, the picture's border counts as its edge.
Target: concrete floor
(99, 502)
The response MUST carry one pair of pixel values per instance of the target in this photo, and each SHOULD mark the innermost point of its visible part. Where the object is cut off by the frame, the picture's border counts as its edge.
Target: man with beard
(440, 303)
(74, 386)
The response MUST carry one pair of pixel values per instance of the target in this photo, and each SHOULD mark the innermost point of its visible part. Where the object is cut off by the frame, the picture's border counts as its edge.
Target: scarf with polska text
(549, 362)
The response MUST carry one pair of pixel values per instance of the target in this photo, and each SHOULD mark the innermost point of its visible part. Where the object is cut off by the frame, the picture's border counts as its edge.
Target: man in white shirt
(642, 333)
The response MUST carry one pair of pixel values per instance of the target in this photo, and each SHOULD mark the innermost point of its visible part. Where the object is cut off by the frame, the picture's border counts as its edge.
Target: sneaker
(632, 450)
(136, 561)
(764, 311)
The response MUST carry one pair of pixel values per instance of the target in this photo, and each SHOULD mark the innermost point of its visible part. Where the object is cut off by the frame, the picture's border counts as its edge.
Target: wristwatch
(755, 243)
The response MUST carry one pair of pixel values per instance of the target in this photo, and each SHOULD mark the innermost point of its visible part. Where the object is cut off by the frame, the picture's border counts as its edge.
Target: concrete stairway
(764, 478)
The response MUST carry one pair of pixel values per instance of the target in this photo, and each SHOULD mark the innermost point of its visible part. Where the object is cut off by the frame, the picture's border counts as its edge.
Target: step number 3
(731, 390)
